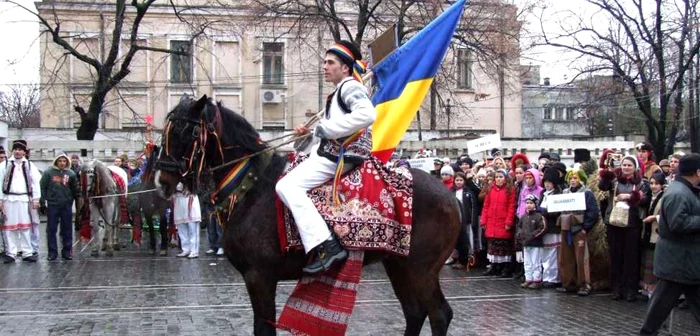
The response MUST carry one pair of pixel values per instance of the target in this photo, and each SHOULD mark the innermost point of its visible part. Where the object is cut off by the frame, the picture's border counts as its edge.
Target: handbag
(620, 214)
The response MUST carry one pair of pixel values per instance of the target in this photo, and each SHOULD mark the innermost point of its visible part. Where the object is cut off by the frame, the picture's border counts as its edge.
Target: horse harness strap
(226, 197)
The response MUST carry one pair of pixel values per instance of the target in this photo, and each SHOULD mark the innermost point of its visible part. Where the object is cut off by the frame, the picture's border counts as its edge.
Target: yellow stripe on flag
(395, 116)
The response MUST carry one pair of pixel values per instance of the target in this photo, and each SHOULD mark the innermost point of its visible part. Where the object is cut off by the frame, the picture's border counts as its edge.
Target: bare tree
(646, 45)
(111, 68)
(489, 29)
(19, 106)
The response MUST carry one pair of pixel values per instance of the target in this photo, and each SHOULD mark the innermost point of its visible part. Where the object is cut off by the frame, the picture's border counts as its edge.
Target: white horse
(100, 190)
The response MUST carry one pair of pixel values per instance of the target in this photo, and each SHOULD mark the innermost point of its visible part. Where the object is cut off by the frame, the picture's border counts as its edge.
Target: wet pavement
(134, 293)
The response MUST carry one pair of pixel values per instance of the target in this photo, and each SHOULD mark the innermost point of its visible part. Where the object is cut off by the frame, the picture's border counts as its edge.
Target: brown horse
(204, 134)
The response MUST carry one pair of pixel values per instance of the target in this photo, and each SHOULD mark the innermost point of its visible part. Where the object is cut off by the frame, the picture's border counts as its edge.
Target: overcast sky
(19, 56)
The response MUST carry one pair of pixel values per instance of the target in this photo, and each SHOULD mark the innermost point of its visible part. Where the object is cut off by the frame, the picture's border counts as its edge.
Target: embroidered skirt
(499, 250)
(17, 215)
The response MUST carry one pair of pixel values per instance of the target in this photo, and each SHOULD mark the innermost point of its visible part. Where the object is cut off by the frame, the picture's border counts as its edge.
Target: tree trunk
(89, 121)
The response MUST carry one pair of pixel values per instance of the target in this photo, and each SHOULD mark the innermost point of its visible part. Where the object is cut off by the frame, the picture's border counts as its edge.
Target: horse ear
(199, 105)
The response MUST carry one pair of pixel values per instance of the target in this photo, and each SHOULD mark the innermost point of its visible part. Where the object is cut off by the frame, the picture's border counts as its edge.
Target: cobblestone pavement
(135, 293)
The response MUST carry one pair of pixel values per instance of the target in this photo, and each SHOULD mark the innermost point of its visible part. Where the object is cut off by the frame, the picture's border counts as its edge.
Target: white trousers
(292, 188)
(18, 241)
(189, 237)
(35, 237)
(533, 263)
(550, 254)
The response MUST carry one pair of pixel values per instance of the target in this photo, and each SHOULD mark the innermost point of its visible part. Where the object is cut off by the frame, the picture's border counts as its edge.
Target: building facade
(269, 75)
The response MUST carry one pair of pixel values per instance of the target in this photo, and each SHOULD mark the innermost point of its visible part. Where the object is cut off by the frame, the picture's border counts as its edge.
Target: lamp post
(448, 110)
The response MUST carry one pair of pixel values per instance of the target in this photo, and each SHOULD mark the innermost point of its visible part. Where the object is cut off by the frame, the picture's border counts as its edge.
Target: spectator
(20, 195)
(447, 176)
(673, 162)
(573, 252)
(3, 155)
(469, 239)
(497, 220)
(650, 232)
(531, 228)
(554, 158)
(552, 236)
(520, 160)
(488, 183)
(631, 191)
(437, 165)
(677, 253)
(665, 167)
(464, 166)
(646, 154)
(543, 161)
(59, 187)
(187, 216)
(499, 163)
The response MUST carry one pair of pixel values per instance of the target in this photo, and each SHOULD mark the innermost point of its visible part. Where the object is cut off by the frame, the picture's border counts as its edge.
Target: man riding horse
(345, 135)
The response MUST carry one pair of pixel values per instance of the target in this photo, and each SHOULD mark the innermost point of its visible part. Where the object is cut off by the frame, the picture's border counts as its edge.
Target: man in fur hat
(347, 120)
(20, 196)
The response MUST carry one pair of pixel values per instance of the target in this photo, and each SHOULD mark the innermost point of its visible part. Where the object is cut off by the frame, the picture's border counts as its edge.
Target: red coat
(499, 212)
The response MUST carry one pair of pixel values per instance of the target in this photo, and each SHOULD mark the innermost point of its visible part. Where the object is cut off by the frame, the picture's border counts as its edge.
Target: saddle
(375, 212)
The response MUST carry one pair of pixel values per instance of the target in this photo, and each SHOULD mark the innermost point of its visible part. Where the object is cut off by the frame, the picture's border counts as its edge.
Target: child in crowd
(530, 185)
(650, 232)
(552, 236)
(497, 219)
(187, 216)
(447, 175)
(531, 228)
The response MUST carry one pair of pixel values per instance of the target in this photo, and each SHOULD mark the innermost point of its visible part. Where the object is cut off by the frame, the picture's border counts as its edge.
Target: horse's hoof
(104, 248)
(117, 247)
(94, 253)
(164, 253)
(109, 253)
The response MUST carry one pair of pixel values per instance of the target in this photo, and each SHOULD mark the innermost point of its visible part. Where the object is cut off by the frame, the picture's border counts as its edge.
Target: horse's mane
(240, 132)
(105, 177)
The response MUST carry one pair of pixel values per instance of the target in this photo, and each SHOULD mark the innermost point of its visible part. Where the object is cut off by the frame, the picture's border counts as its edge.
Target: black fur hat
(551, 175)
(582, 155)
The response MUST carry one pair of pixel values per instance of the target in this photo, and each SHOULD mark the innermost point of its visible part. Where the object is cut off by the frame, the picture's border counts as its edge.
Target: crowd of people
(506, 225)
(27, 192)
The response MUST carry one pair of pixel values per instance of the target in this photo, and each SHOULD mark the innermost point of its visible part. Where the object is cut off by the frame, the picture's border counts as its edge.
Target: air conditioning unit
(271, 96)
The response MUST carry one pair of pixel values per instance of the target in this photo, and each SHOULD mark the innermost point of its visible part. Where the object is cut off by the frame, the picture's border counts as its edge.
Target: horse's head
(194, 139)
(91, 175)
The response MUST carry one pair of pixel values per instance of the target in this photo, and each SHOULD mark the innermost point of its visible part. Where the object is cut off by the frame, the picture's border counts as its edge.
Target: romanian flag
(404, 78)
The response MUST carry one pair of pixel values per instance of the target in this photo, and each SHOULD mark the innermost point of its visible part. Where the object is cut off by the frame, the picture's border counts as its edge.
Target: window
(181, 65)
(559, 113)
(548, 113)
(464, 64)
(570, 113)
(273, 65)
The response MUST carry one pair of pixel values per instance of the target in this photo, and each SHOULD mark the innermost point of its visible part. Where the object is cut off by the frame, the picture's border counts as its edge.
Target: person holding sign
(497, 219)
(628, 197)
(573, 253)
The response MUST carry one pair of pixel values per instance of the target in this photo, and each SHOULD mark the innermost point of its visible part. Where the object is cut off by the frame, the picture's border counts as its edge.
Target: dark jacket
(551, 217)
(677, 253)
(59, 186)
(470, 204)
(531, 228)
(638, 189)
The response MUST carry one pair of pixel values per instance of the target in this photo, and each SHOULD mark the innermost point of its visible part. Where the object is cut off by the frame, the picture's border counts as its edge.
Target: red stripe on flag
(384, 155)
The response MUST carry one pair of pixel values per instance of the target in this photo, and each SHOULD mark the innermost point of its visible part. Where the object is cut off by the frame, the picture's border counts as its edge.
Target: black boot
(507, 270)
(324, 255)
(493, 269)
(519, 271)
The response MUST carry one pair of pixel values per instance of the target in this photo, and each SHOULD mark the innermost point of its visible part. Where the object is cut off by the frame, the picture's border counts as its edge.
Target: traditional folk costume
(344, 132)
(551, 240)
(20, 179)
(187, 216)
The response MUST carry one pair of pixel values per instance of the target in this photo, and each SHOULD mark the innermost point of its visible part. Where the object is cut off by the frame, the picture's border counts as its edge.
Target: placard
(484, 144)
(383, 45)
(425, 164)
(566, 202)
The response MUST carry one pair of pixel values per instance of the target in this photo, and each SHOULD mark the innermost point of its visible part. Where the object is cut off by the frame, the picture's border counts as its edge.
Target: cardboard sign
(383, 45)
(566, 202)
(484, 144)
(425, 164)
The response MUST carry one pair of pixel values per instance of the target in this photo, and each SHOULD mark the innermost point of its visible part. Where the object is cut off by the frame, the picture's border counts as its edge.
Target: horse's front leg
(110, 228)
(97, 241)
(262, 289)
(163, 234)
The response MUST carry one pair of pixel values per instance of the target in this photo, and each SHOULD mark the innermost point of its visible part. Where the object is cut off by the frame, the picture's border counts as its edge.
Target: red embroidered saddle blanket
(376, 211)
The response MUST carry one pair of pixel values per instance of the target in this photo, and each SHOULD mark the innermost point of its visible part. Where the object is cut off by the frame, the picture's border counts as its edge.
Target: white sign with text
(566, 202)
(425, 164)
(484, 144)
